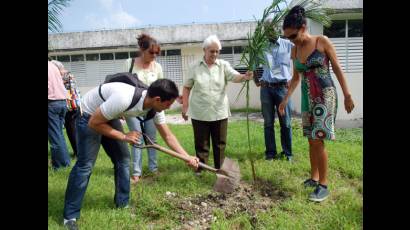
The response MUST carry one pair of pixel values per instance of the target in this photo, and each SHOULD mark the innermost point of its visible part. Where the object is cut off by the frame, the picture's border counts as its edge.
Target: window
(226, 50)
(133, 54)
(92, 57)
(107, 56)
(237, 49)
(121, 55)
(173, 52)
(355, 28)
(336, 30)
(77, 57)
(162, 53)
(65, 58)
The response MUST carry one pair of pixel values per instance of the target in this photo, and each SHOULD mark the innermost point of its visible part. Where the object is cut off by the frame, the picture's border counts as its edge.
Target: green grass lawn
(151, 209)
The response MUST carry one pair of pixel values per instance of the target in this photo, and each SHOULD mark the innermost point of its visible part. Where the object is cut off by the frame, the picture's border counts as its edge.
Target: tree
(54, 9)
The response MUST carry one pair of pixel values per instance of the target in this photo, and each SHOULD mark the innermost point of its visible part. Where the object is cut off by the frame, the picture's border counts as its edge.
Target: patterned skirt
(319, 106)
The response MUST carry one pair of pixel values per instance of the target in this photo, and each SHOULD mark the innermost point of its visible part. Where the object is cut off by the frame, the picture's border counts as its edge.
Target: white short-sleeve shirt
(118, 97)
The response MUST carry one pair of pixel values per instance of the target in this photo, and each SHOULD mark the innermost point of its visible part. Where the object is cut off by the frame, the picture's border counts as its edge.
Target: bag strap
(142, 128)
(135, 98)
(132, 65)
(151, 113)
(99, 92)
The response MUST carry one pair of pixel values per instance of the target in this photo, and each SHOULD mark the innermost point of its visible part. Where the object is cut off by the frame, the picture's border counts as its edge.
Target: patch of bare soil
(197, 212)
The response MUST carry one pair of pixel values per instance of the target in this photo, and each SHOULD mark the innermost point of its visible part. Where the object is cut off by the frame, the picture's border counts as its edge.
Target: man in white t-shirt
(100, 124)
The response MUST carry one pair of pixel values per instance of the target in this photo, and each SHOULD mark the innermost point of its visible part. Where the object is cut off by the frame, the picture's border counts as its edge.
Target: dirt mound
(197, 212)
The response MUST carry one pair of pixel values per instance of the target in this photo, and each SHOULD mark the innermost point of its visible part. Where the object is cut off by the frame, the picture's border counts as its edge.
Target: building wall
(190, 45)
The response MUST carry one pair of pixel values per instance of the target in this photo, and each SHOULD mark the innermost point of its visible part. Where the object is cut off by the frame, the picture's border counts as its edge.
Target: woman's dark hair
(164, 88)
(295, 18)
(147, 42)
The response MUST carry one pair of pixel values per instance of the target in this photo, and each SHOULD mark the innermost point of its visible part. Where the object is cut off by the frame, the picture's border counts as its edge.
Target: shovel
(227, 177)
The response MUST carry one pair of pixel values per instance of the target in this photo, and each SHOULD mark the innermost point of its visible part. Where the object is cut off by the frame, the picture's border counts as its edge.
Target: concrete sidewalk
(177, 119)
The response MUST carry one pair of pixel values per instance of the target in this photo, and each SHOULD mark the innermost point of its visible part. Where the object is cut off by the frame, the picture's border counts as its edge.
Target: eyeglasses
(293, 36)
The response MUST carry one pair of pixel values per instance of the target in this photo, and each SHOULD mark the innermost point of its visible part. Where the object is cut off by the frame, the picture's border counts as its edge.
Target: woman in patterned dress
(311, 55)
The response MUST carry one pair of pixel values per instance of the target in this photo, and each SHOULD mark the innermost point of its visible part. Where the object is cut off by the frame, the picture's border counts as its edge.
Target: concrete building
(91, 55)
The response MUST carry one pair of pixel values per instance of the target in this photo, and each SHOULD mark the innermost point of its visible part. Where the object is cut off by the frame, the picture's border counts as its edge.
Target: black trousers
(217, 131)
(69, 123)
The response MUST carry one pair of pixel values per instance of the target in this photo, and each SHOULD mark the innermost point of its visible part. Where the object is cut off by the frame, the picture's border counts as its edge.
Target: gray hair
(210, 40)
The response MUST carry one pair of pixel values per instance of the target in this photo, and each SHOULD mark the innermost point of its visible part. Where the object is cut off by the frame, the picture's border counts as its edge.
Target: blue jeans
(271, 97)
(58, 147)
(150, 129)
(88, 146)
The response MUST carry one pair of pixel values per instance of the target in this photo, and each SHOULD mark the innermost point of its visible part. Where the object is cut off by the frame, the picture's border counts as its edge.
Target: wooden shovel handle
(177, 155)
(151, 144)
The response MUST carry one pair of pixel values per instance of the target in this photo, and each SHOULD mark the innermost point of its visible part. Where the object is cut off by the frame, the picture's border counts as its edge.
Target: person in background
(57, 109)
(73, 104)
(148, 71)
(274, 87)
(208, 103)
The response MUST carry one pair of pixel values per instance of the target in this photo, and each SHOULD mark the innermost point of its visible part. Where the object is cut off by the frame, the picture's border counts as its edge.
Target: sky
(88, 15)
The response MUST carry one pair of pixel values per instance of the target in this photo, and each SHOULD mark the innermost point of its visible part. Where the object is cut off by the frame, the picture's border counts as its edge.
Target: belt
(272, 85)
(56, 100)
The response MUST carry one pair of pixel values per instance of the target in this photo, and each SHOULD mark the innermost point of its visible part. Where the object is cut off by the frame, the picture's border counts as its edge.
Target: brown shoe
(135, 179)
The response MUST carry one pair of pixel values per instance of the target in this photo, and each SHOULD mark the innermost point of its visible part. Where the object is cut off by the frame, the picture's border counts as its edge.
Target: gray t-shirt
(118, 97)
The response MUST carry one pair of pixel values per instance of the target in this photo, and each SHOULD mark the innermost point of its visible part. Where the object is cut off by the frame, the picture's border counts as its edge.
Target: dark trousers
(217, 131)
(70, 129)
(271, 97)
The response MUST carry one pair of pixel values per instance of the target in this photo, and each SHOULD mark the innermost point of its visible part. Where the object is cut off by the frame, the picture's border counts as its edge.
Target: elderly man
(208, 105)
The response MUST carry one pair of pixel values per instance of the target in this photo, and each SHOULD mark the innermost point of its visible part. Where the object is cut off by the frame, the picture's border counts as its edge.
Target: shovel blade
(227, 177)
(224, 184)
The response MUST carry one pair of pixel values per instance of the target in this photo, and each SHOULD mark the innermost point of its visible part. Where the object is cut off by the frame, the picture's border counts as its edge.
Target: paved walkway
(177, 119)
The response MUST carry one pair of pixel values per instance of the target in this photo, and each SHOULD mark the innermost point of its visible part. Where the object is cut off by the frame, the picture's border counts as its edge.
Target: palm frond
(315, 11)
(54, 9)
(240, 92)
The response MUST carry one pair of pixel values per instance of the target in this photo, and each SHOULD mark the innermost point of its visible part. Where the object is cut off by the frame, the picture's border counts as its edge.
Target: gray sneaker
(320, 194)
(71, 225)
(289, 159)
(310, 183)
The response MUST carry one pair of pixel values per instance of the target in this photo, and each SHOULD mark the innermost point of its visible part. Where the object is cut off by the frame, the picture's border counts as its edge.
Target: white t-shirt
(147, 76)
(118, 97)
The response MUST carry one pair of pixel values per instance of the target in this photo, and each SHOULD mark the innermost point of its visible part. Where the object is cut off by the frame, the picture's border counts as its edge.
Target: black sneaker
(282, 155)
(310, 183)
(270, 158)
(320, 194)
(71, 225)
